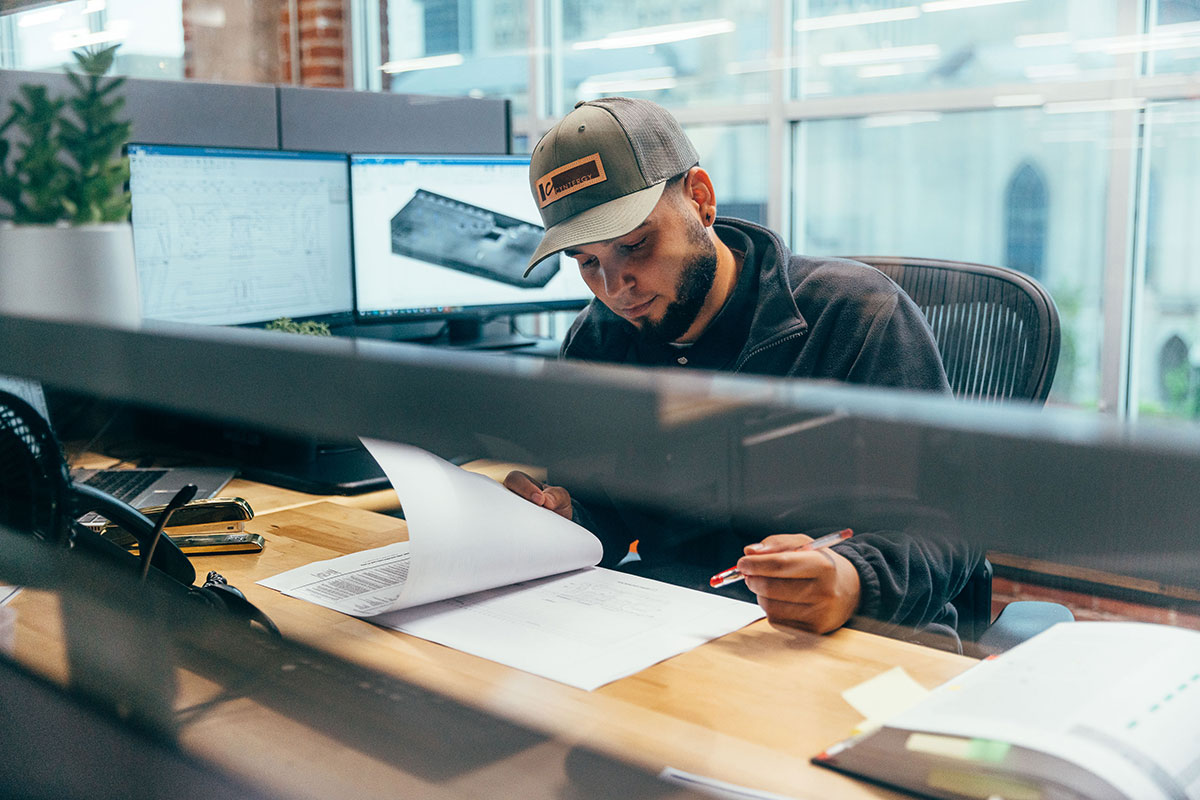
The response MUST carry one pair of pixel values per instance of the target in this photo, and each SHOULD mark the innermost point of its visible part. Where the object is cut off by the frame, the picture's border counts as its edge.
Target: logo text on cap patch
(569, 178)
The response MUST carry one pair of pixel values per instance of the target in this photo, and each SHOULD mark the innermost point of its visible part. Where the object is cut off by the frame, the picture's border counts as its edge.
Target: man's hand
(555, 498)
(816, 590)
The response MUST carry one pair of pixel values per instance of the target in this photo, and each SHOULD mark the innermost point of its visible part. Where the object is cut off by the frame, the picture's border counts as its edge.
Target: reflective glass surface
(1167, 318)
(1019, 188)
(883, 46)
(150, 35)
(736, 157)
(478, 48)
(677, 54)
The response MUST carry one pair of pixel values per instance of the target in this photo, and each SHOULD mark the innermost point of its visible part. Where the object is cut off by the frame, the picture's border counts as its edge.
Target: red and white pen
(732, 575)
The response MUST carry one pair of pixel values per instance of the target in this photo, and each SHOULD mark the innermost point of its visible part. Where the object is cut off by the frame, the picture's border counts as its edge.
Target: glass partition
(1166, 366)
(885, 46)
(1020, 188)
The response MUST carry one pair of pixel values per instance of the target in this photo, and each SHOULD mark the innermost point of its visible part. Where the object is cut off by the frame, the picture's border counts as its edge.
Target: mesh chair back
(997, 329)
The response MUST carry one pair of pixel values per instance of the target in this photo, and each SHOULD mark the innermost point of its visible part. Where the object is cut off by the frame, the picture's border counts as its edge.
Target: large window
(675, 53)
(1059, 138)
(473, 47)
(872, 46)
(1172, 41)
(1167, 354)
(735, 156)
(150, 34)
(982, 186)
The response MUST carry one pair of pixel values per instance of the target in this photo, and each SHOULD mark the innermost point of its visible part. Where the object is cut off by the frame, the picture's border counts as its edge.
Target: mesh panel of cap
(660, 145)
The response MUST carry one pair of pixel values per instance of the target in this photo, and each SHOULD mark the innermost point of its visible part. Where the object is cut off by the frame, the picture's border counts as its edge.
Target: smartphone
(213, 543)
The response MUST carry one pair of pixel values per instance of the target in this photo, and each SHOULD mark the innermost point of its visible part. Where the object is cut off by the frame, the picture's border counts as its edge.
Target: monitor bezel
(481, 312)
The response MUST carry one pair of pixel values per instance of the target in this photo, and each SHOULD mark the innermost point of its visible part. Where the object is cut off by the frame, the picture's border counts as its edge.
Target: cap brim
(606, 221)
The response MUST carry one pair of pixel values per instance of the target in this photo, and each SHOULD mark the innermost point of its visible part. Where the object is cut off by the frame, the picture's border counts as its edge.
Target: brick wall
(324, 27)
(231, 40)
(1095, 604)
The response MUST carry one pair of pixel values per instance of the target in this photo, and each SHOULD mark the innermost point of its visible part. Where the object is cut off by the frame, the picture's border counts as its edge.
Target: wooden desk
(750, 708)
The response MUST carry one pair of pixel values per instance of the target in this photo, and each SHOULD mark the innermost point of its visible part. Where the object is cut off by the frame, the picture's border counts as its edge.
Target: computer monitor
(226, 236)
(449, 237)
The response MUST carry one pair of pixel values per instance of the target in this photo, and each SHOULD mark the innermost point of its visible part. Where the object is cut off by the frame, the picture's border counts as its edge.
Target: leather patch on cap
(570, 178)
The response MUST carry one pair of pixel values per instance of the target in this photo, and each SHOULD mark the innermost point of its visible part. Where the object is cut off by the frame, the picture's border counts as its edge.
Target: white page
(715, 788)
(359, 584)
(583, 628)
(470, 532)
(466, 533)
(1121, 699)
(473, 576)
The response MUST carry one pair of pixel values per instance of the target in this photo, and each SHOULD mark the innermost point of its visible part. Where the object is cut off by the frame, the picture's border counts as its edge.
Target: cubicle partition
(1043, 484)
(296, 118)
(1057, 484)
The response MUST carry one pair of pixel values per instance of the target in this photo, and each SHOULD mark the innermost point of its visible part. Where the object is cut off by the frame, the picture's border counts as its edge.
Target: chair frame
(926, 286)
(930, 279)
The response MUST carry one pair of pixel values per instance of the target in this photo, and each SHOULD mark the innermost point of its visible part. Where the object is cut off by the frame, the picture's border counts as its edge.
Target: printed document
(491, 574)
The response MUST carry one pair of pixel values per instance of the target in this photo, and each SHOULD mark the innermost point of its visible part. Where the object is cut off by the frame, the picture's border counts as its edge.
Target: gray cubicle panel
(348, 121)
(179, 112)
(1071, 487)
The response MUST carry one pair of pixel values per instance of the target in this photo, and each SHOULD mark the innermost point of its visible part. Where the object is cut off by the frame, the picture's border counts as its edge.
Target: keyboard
(124, 484)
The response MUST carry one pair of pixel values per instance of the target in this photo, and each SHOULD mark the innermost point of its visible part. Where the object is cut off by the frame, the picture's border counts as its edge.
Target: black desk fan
(38, 497)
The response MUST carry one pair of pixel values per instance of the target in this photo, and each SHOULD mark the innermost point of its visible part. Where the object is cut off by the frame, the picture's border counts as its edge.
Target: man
(620, 191)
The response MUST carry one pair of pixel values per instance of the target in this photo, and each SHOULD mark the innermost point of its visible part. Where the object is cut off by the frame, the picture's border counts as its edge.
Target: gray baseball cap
(599, 172)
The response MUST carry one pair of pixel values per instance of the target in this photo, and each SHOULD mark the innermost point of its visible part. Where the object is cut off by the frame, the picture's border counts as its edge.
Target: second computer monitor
(226, 236)
(451, 236)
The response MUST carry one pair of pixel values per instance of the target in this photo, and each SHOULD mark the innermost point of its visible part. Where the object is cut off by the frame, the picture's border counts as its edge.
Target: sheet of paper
(884, 696)
(1120, 699)
(471, 532)
(466, 533)
(716, 788)
(491, 574)
(360, 584)
(584, 628)
(7, 593)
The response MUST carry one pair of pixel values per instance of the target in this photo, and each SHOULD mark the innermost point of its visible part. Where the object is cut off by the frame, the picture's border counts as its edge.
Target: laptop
(138, 487)
(154, 486)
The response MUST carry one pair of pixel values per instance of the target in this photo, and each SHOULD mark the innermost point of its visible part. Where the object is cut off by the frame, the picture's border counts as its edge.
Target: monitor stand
(475, 334)
(299, 463)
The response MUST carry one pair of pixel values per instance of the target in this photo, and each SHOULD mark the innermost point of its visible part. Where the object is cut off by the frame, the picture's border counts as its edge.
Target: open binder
(1094, 710)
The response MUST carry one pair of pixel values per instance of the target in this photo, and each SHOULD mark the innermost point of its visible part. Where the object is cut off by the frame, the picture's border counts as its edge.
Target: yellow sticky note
(885, 695)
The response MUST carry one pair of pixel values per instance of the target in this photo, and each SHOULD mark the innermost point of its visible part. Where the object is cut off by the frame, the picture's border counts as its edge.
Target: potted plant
(66, 250)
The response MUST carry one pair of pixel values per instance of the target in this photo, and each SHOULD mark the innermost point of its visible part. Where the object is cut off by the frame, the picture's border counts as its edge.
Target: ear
(699, 190)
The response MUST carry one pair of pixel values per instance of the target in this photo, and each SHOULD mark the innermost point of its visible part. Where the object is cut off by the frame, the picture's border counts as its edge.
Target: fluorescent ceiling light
(635, 80)
(1082, 106)
(1017, 100)
(1165, 38)
(858, 18)
(1044, 39)
(1045, 72)
(117, 30)
(954, 5)
(429, 62)
(46, 15)
(900, 118)
(658, 34)
(850, 58)
(597, 88)
(95, 5)
(881, 71)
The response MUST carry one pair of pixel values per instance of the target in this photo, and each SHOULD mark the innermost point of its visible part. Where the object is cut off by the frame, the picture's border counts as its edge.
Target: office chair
(998, 333)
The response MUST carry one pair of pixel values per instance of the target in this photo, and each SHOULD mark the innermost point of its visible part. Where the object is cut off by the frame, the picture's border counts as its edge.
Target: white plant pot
(77, 274)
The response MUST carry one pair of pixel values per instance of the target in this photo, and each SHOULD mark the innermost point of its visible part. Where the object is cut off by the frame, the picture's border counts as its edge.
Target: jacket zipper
(763, 347)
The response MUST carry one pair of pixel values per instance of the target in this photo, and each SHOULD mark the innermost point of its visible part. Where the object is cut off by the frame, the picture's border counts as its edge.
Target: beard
(695, 282)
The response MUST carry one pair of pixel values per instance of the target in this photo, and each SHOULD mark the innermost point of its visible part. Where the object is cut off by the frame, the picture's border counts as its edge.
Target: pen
(732, 575)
